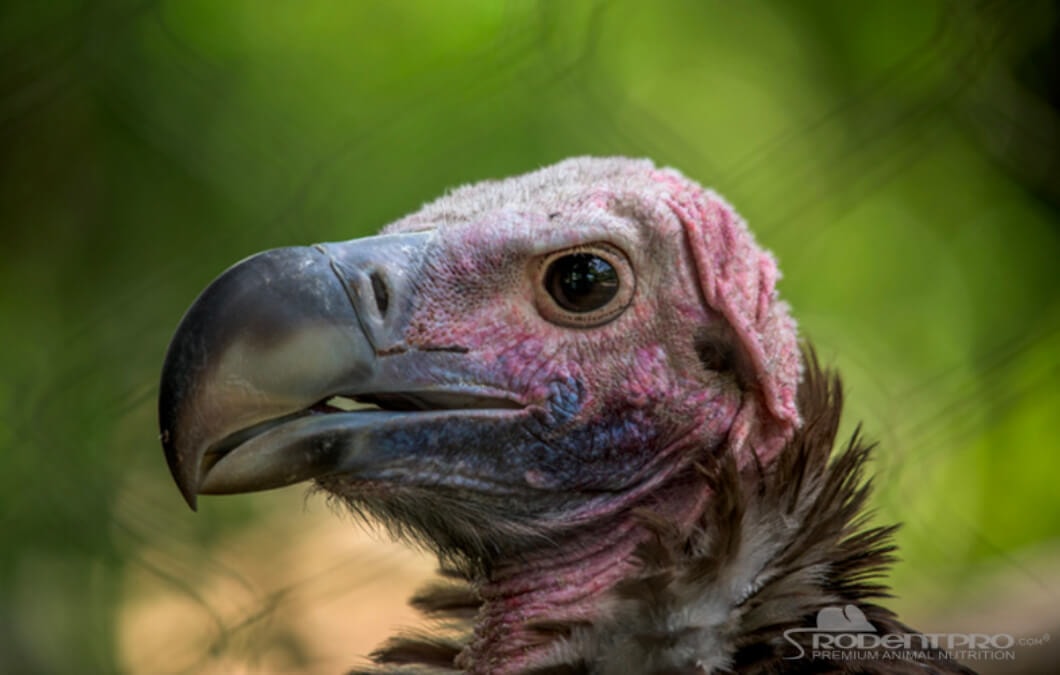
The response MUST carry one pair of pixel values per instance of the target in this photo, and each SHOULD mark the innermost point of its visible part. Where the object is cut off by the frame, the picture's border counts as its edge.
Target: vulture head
(579, 388)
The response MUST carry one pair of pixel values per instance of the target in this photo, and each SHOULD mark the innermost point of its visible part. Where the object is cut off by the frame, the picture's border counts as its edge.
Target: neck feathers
(774, 547)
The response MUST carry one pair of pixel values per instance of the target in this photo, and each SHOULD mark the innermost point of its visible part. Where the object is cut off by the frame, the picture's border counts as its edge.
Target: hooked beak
(246, 400)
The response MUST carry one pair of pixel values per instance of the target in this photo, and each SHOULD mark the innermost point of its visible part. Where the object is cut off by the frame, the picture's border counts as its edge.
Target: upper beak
(271, 338)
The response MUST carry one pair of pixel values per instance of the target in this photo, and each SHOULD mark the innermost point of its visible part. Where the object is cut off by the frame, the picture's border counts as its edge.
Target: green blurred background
(901, 158)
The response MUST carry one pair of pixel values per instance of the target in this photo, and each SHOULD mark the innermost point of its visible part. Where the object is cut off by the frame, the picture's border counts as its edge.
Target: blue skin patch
(596, 453)
(565, 400)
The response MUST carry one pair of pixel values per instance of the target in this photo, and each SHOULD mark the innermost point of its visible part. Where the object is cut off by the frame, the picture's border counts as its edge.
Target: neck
(522, 599)
(526, 603)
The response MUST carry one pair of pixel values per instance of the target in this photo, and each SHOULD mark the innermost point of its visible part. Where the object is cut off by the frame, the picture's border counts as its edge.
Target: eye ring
(585, 286)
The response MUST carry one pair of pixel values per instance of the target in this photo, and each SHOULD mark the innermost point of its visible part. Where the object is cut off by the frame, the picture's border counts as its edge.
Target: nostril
(382, 296)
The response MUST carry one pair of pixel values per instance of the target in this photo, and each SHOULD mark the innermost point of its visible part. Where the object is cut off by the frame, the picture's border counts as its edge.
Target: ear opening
(719, 352)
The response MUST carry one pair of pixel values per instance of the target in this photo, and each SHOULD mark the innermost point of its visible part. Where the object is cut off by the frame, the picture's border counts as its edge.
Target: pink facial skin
(621, 410)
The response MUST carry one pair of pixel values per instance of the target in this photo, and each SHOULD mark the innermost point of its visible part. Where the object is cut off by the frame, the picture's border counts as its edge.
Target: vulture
(580, 389)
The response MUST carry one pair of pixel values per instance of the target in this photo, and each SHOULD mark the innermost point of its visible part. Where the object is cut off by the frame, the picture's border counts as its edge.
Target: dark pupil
(581, 282)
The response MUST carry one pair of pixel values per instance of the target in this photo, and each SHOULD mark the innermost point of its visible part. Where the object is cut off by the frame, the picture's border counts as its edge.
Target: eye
(584, 287)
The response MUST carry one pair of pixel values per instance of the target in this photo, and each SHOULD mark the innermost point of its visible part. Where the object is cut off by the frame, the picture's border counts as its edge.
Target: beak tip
(192, 500)
(183, 475)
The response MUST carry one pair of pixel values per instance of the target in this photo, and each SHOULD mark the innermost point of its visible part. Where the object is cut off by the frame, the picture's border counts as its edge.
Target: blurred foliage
(900, 158)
